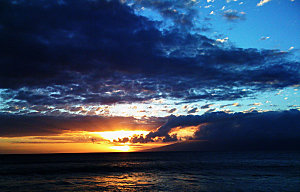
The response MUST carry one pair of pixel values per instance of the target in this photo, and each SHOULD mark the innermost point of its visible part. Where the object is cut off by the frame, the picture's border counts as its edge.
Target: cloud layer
(84, 52)
(216, 130)
(41, 125)
(235, 129)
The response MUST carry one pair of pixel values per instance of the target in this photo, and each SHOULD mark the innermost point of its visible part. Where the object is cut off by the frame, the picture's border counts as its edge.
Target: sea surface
(152, 171)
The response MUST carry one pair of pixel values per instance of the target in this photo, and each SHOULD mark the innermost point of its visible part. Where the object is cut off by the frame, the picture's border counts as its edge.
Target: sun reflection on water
(126, 182)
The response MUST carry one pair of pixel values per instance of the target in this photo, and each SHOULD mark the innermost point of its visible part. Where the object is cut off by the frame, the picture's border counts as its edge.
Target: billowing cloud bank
(238, 129)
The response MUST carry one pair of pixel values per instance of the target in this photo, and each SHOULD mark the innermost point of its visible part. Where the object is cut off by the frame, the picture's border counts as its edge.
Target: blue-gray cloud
(233, 15)
(79, 52)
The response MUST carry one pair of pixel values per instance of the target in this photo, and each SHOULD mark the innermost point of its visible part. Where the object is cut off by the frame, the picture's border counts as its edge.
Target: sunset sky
(108, 76)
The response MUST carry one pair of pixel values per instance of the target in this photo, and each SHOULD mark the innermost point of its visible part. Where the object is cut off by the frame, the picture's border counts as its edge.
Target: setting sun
(115, 135)
(123, 148)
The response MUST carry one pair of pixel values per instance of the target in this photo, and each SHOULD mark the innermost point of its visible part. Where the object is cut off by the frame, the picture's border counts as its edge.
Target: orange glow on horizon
(115, 135)
(75, 142)
(122, 148)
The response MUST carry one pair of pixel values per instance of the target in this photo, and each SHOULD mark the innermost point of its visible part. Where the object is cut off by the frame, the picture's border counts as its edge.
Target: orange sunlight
(184, 133)
(115, 135)
(121, 148)
(75, 142)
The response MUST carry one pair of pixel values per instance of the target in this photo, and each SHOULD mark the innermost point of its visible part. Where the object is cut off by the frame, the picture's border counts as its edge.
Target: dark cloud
(39, 125)
(264, 38)
(172, 110)
(236, 129)
(181, 12)
(233, 15)
(206, 106)
(83, 52)
(252, 126)
(255, 104)
(210, 110)
(193, 110)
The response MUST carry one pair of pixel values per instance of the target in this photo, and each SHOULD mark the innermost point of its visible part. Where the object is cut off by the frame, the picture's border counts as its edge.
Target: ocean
(152, 171)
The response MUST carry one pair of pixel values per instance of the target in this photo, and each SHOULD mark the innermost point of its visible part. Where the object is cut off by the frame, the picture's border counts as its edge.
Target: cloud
(73, 137)
(291, 48)
(262, 2)
(233, 15)
(264, 38)
(193, 110)
(238, 129)
(172, 110)
(210, 110)
(206, 106)
(233, 104)
(228, 1)
(253, 127)
(255, 104)
(181, 12)
(222, 40)
(102, 52)
(41, 125)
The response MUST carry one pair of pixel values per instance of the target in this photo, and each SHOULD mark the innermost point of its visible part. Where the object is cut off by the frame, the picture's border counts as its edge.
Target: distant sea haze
(152, 171)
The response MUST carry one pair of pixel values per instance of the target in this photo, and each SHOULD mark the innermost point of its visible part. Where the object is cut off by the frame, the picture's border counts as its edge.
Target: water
(158, 171)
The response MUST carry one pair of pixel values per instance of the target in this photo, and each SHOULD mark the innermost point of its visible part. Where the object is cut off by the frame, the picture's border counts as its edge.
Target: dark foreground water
(160, 171)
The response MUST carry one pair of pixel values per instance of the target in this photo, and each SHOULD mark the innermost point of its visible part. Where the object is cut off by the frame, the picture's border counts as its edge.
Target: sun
(115, 135)
(123, 148)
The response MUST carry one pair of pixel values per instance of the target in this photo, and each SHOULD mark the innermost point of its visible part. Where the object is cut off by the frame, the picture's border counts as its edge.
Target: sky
(131, 75)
